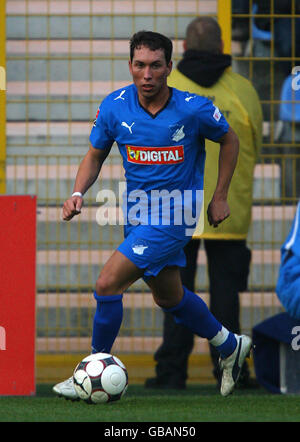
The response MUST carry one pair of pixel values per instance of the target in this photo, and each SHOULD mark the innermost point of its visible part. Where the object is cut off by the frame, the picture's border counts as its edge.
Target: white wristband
(77, 194)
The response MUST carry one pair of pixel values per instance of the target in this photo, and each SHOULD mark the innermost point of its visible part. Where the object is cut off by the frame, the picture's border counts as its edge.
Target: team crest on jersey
(139, 246)
(155, 155)
(177, 132)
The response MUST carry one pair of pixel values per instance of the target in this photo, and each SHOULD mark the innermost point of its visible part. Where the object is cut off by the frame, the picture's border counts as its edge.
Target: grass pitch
(198, 403)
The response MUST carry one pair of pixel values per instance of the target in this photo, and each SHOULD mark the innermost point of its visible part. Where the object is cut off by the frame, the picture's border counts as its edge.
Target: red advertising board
(17, 294)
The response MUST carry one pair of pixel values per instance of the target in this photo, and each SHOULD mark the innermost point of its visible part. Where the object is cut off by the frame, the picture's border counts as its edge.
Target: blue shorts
(152, 248)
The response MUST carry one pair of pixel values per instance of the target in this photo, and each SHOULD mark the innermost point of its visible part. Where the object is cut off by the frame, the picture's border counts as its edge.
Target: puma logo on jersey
(124, 124)
(190, 97)
(178, 134)
(120, 97)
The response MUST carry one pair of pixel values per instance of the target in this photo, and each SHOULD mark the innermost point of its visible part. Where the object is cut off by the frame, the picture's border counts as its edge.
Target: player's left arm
(218, 209)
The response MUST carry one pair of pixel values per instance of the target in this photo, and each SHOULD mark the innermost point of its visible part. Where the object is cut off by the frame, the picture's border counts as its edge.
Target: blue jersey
(163, 154)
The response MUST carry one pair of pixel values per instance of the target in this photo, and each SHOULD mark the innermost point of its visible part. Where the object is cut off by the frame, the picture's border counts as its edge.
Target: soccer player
(160, 133)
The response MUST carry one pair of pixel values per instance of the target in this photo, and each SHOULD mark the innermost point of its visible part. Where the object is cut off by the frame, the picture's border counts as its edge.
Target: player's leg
(178, 341)
(228, 269)
(224, 295)
(116, 276)
(191, 311)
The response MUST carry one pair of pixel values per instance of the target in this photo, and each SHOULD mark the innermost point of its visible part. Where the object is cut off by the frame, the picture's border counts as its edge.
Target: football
(100, 378)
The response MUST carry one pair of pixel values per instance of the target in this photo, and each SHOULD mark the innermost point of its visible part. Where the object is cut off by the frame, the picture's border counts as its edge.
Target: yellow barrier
(56, 367)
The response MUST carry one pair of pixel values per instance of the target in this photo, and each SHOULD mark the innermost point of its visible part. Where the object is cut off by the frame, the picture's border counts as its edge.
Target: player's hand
(217, 211)
(72, 207)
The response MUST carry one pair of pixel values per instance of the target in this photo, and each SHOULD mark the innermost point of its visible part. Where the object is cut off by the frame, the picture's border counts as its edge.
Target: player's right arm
(87, 174)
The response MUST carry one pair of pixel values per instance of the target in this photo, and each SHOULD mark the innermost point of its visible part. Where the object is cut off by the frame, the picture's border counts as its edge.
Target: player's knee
(105, 286)
(162, 303)
(165, 301)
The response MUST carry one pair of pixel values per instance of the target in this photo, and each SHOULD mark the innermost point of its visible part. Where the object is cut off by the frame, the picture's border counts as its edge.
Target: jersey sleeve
(101, 136)
(212, 123)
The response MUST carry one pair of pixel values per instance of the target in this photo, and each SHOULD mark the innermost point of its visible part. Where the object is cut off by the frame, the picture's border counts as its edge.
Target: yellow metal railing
(62, 59)
(224, 20)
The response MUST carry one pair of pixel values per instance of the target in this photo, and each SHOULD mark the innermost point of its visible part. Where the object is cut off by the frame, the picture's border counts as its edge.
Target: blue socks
(193, 313)
(107, 322)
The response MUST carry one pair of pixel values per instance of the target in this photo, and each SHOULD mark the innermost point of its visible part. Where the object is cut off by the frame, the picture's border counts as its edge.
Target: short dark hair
(153, 41)
(204, 34)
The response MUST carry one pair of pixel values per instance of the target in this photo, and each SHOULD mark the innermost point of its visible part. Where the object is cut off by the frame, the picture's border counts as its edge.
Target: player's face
(149, 72)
